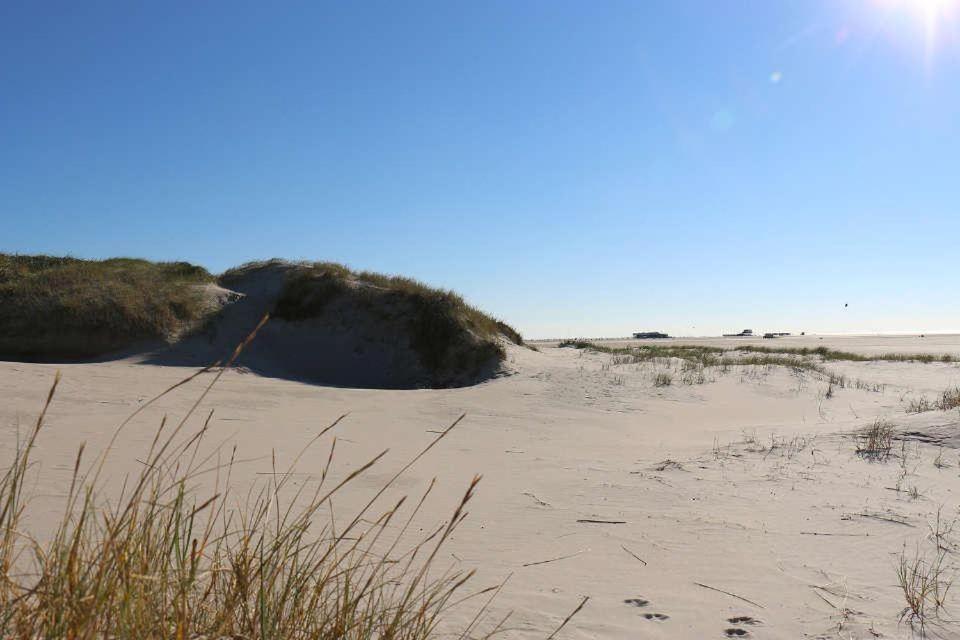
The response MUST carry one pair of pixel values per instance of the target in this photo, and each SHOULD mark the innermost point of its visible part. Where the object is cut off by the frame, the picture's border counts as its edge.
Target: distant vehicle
(746, 333)
(775, 334)
(645, 335)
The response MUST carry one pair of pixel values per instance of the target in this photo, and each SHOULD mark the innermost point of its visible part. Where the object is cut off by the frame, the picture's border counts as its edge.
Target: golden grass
(165, 561)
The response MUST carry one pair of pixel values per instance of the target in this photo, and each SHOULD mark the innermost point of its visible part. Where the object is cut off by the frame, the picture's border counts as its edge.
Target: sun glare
(931, 22)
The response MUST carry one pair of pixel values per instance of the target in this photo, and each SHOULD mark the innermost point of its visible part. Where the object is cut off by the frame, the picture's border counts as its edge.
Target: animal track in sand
(637, 602)
(736, 633)
(743, 620)
(659, 617)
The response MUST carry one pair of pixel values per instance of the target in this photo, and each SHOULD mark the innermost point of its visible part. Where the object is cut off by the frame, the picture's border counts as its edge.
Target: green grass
(826, 354)
(447, 334)
(697, 358)
(67, 307)
(702, 352)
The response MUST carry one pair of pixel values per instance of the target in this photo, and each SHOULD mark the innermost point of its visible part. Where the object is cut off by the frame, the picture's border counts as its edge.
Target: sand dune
(330, 325)
(734, 507)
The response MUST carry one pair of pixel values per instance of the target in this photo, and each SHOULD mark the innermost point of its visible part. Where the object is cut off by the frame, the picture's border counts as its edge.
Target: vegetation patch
(377, 329)
(876, 441)
(704, 353)
(949, 399)
(174, 558)
(696, 358)
(53, 307)
(452, 339)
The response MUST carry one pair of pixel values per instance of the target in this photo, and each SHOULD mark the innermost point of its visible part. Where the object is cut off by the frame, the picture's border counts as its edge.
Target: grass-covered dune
(328, 324)
(53, 307)
(373, 329)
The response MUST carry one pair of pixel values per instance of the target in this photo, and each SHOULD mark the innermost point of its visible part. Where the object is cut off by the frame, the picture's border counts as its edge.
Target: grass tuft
(169, 561)
(662, 379)
(925, 579)
(876, 441)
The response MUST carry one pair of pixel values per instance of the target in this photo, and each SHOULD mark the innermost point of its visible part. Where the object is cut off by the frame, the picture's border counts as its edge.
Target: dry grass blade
(569, 617)
(166, 559)
(706, 586)
(925, 577)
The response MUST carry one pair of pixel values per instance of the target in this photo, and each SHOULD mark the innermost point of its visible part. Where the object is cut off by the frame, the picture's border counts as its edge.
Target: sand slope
(749, 483)
(349, 344)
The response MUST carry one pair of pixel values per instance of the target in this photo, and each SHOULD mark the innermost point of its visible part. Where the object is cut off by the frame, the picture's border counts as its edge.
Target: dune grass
(53, 308)
(169, 560)
(827, 355)
(947, 400)
(67, 307)
(446, 333)
(796, 358)
(875, 442)
(704, 352)
(926, 576)
(699, 356)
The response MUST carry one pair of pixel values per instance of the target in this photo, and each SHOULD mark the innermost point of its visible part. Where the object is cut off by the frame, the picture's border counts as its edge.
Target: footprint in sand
(736, 633)
(637, 602)
(743, 620)
(659, 617)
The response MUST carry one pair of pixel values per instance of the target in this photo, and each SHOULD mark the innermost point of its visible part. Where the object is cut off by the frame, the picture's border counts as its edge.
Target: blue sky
(577, 168)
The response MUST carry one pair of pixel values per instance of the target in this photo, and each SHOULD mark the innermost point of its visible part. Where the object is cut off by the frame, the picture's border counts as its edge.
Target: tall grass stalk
(169, 560)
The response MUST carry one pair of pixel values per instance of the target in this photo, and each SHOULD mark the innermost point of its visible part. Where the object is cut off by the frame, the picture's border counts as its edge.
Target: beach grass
(704, 353)
(168, 559)
(68, 307)
(446, 332)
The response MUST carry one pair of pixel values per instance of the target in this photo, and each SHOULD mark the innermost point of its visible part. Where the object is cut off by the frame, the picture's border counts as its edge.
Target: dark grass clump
(875, 442)
(53, 307)
(449, 336)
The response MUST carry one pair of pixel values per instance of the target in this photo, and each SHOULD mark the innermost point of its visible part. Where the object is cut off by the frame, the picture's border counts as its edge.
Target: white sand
(569, 437)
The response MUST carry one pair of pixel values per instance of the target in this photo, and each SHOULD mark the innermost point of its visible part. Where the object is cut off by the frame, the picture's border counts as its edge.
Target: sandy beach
(733, 506)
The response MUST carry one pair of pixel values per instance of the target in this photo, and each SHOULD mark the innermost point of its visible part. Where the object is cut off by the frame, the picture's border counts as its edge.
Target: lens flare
(933, 20)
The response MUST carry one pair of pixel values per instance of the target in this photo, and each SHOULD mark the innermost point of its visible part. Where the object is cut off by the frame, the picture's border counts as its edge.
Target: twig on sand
(634, 555)
(540, 502)
(706, 586)
(877, 516)
(823, 533)
(532, 564)
(833, 593)
(569, 617)
(591, 521)
(822, 597)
